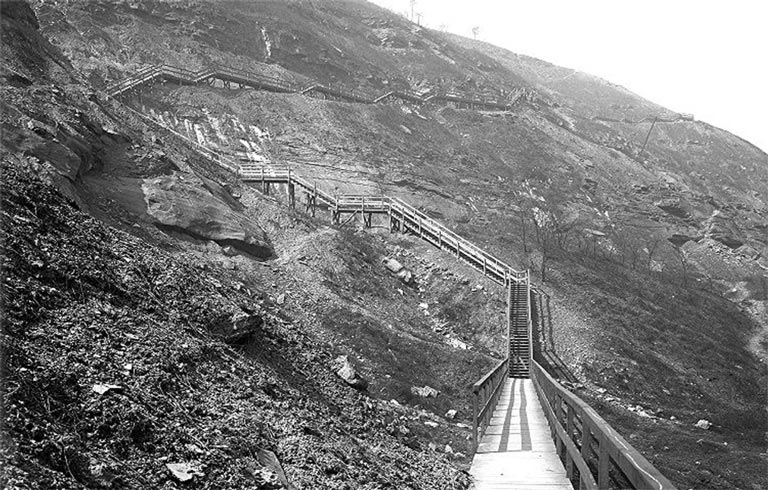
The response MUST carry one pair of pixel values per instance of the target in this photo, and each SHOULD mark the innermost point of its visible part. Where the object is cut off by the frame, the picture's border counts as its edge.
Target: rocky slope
(145, 344)
(654, 261)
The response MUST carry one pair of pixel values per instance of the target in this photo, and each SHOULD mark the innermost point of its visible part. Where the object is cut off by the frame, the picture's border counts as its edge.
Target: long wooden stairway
(231, 76)
(524, 421)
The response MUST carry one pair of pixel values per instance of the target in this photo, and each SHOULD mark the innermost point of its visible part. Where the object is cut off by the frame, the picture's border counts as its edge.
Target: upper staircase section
(519, 315)
(254, 80)
(402, 217)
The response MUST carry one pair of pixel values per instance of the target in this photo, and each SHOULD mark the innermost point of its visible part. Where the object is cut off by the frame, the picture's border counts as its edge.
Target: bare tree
(413, 5)
(475, 31)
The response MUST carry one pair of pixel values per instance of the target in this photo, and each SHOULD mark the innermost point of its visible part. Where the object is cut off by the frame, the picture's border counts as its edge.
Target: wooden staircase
(588, 447)
(246, 78)
(519, 319)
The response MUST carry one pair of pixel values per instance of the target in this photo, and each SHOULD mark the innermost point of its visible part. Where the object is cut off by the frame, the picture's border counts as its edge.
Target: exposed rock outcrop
(182, 203)
(348, 373)
(237, 327)
(674, 207)
(721, 228)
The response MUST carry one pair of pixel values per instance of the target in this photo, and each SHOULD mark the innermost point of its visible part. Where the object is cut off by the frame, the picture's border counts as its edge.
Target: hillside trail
(518, 407)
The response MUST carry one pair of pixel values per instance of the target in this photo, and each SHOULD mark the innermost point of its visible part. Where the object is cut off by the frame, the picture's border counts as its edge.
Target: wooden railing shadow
(544, 349)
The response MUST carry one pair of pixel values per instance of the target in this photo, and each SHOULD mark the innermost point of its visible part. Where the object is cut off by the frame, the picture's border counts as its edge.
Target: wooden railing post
(586, 441)
(569, 431)
(603, 465)
(475, 410)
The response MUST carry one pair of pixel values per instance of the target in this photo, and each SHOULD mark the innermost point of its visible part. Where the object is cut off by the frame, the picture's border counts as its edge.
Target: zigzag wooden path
(513, 415)
(243, 78)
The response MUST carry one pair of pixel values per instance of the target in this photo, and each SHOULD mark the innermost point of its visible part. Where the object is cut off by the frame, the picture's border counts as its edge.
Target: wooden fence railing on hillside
(258, 81)
(486, 394)
(590, 448)
(402, 216)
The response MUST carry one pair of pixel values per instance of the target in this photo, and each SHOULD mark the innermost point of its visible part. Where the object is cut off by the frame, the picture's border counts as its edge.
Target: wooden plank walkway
(517, 451)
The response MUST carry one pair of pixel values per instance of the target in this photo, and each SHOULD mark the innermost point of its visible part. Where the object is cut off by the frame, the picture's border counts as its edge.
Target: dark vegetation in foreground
(114, 366)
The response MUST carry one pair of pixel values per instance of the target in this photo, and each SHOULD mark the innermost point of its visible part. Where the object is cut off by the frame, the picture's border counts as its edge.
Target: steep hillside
(140, 334)
(653, 261)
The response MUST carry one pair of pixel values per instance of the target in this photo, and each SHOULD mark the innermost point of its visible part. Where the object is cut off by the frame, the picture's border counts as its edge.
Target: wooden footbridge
(529, 432)
(236, 78)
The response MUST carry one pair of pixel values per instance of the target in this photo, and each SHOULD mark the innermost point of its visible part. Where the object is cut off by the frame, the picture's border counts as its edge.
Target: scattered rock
(458, 344)
(271, 463)
(450, 414)
(396, 268)
(346, 372)
(448, 449)
(127, 369)
(425, 392)
(104, 388)
(429, 423)
(281, 299)
(237, 327)
(183, 471)
(704, 424)
(594, 233)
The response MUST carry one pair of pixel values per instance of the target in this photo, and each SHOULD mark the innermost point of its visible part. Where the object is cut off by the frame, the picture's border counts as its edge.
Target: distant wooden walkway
(234, 77)
(517, 451)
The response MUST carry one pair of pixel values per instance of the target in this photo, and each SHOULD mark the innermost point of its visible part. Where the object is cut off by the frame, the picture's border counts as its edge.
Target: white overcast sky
(705, 57)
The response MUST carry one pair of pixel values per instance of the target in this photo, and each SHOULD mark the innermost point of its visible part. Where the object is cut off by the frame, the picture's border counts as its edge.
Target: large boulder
(236, 327)
(721, 227)
(425, 391)
(397, 269)
(347, 372)
(184, 204)
(674, 207)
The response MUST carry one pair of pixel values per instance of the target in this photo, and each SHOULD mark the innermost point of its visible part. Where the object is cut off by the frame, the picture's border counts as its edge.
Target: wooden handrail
(473, 255)
(566, 412)
(258, 80)
(486, 393)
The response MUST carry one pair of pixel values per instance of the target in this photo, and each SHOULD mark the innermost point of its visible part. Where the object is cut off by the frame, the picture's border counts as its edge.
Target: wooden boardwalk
(517, 451)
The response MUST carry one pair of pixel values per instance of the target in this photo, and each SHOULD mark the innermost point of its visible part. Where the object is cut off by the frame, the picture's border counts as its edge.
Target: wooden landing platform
(517, 451)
